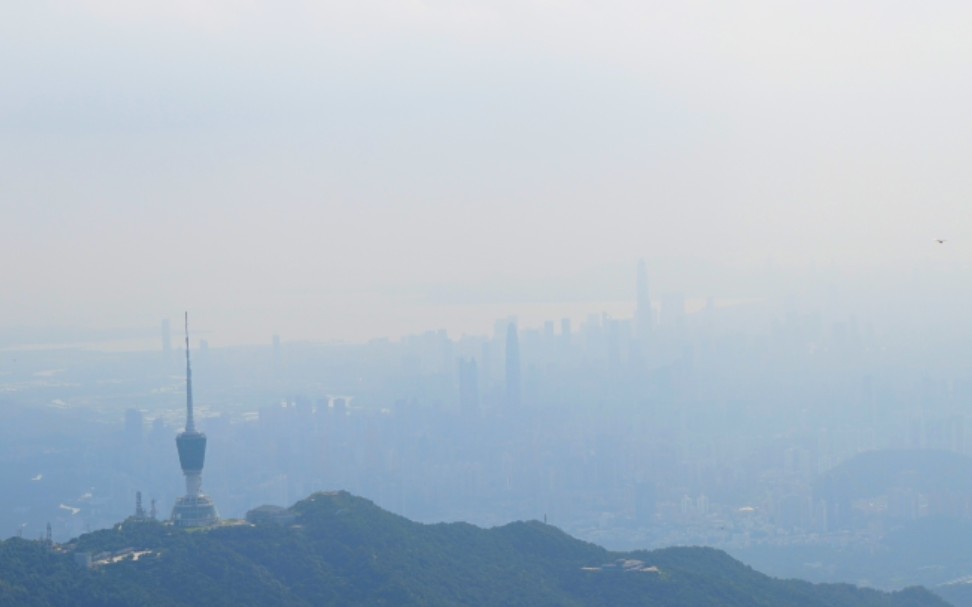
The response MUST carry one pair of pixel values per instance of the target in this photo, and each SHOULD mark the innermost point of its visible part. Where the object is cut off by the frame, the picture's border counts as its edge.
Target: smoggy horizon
(325, 172)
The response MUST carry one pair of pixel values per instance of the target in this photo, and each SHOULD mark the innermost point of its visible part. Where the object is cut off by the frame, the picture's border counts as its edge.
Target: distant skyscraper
(512, 366)
(612, 330)
(194, 509)
(673, 311)
(486, 367)
(468, 386)
(643, 316)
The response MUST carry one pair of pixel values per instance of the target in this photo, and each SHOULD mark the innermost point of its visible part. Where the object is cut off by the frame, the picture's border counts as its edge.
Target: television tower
(194, 509)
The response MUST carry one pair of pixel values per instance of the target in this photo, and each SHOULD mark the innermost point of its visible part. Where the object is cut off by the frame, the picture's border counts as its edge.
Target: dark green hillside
(337, 549)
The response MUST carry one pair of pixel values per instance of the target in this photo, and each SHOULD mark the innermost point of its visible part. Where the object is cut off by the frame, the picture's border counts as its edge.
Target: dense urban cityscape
(670, 427)
(423, 303)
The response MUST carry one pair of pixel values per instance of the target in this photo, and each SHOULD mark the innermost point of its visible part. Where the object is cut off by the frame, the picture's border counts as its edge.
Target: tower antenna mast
(190, 422)
(194, 509)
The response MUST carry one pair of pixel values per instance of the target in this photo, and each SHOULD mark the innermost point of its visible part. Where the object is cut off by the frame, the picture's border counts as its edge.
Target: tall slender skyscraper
(643, 316)
(194, 509)
(512, 366)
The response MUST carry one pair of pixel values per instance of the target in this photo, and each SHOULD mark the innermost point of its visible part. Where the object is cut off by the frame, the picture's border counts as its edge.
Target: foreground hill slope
(337, 549)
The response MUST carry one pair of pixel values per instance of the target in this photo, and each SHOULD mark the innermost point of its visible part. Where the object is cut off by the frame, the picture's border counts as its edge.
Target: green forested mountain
(337, 549)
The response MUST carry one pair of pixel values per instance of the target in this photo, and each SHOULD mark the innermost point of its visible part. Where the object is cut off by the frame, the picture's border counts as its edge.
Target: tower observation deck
(193, 509)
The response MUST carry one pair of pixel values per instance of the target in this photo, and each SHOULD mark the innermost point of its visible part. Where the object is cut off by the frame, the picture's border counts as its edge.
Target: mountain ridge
(339, 549)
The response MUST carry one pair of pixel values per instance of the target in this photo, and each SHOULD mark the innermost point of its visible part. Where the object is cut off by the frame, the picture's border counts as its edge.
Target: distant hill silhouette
(337, 549)
(876, 472)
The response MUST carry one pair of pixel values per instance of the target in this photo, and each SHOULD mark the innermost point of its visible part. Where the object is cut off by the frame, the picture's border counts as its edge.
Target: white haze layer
(343, 171)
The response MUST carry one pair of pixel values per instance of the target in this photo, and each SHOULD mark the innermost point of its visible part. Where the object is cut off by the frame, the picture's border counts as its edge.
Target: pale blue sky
(319, 169)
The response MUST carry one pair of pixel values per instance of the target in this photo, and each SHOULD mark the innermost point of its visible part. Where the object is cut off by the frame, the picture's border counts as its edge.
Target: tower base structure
(194, 511)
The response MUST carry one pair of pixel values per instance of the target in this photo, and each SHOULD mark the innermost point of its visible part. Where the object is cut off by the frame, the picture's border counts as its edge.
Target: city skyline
(732, 426)
(923, 295)
(656, 274)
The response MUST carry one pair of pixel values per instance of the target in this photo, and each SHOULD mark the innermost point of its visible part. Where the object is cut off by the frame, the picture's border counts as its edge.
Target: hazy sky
(344, 170)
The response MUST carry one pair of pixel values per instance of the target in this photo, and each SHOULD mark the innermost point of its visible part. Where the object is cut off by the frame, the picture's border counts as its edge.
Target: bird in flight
(940, 240)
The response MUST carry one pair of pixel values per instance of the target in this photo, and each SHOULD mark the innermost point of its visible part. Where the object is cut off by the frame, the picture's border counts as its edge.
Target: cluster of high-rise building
(668, 426)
